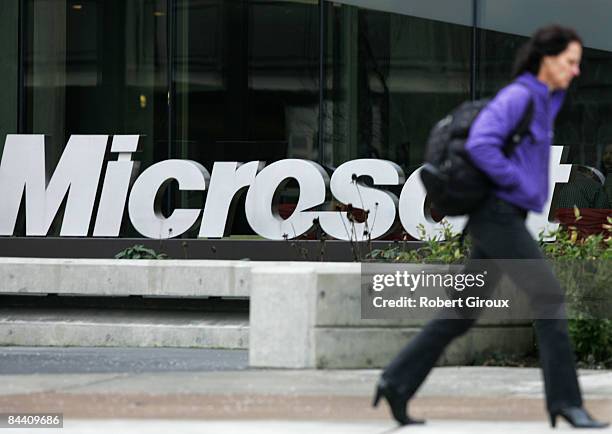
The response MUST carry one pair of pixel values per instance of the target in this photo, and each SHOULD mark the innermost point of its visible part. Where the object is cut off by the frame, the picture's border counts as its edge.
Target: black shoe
(397, 403)
(576, 417)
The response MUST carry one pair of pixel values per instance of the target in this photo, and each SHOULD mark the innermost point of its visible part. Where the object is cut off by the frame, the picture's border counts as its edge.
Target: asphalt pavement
(101, 390)
(76, 360)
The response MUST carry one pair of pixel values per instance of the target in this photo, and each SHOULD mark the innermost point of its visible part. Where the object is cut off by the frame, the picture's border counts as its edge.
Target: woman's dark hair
(546, 41)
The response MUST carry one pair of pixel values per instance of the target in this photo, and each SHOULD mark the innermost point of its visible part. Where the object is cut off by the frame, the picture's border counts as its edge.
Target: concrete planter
(309, 316)
(302, 315)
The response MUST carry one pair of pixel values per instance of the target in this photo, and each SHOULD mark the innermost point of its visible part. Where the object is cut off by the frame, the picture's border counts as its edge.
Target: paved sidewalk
(273, 427)
(453, 400)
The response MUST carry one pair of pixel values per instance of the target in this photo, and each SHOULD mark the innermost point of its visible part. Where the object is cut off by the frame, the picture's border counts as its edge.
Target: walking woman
(544, 69)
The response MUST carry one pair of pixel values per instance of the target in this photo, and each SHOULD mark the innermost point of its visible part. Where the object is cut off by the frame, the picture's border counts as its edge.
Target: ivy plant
(139, 251)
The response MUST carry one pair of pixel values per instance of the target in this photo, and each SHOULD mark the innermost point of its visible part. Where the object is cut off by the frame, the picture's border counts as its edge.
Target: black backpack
(454, 185)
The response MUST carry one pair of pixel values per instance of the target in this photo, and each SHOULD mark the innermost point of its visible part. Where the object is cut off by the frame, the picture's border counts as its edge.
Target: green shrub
(447, 247)
(592, 339)
(139, 251)
(582, 265)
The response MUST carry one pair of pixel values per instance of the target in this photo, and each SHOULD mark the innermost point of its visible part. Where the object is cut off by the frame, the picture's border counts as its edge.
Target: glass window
(456, 12)
(496, 52)
(390, 77)
(247, 79)
(97, 67)
(247, 84)
(584, 124)
(591, 18)
(9, 20)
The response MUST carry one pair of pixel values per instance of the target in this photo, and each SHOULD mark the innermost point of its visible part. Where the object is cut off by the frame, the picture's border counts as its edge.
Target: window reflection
(390, 77)
(97, 67)
(247, 84)
(245, 77)
(246, 80)
(584, 125)
(9, 19)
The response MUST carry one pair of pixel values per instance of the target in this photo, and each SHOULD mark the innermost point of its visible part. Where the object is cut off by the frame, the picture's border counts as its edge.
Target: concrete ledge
(375, 347)
(282, 318)
(302, 315)
(123, 277)
(98, 328)
(311, 318)
(112, 277)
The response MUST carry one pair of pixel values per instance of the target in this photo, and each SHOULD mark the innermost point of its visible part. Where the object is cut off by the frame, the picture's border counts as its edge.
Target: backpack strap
(522, 129)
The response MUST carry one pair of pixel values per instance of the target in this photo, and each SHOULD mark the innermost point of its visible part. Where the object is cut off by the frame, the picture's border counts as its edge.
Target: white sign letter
(77, 174)
(117, 180)
(228, 180)
(558, 172)
(412, 209)
(380, 205)
(145, 199)
(262, 204)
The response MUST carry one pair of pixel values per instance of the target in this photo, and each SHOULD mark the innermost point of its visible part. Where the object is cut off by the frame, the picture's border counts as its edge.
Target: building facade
(242, 80)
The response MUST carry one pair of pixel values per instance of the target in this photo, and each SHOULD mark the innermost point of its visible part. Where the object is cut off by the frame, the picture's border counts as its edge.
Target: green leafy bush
(446, 247)
(139, 251)
(592, 339)
(582, 264)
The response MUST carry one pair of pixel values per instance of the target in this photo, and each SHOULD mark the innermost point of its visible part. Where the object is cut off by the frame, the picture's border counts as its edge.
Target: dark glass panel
(390, 77)
(98, 67)
(9, 20)
(247, 84)
(246, 80)
(584, 124)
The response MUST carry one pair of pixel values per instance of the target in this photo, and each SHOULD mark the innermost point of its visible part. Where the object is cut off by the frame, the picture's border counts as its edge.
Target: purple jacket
(521, 179)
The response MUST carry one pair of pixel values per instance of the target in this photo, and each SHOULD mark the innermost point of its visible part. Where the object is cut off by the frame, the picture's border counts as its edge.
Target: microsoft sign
(76, 180)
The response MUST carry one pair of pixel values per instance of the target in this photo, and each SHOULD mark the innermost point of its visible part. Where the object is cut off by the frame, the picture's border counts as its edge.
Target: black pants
(497, 231)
